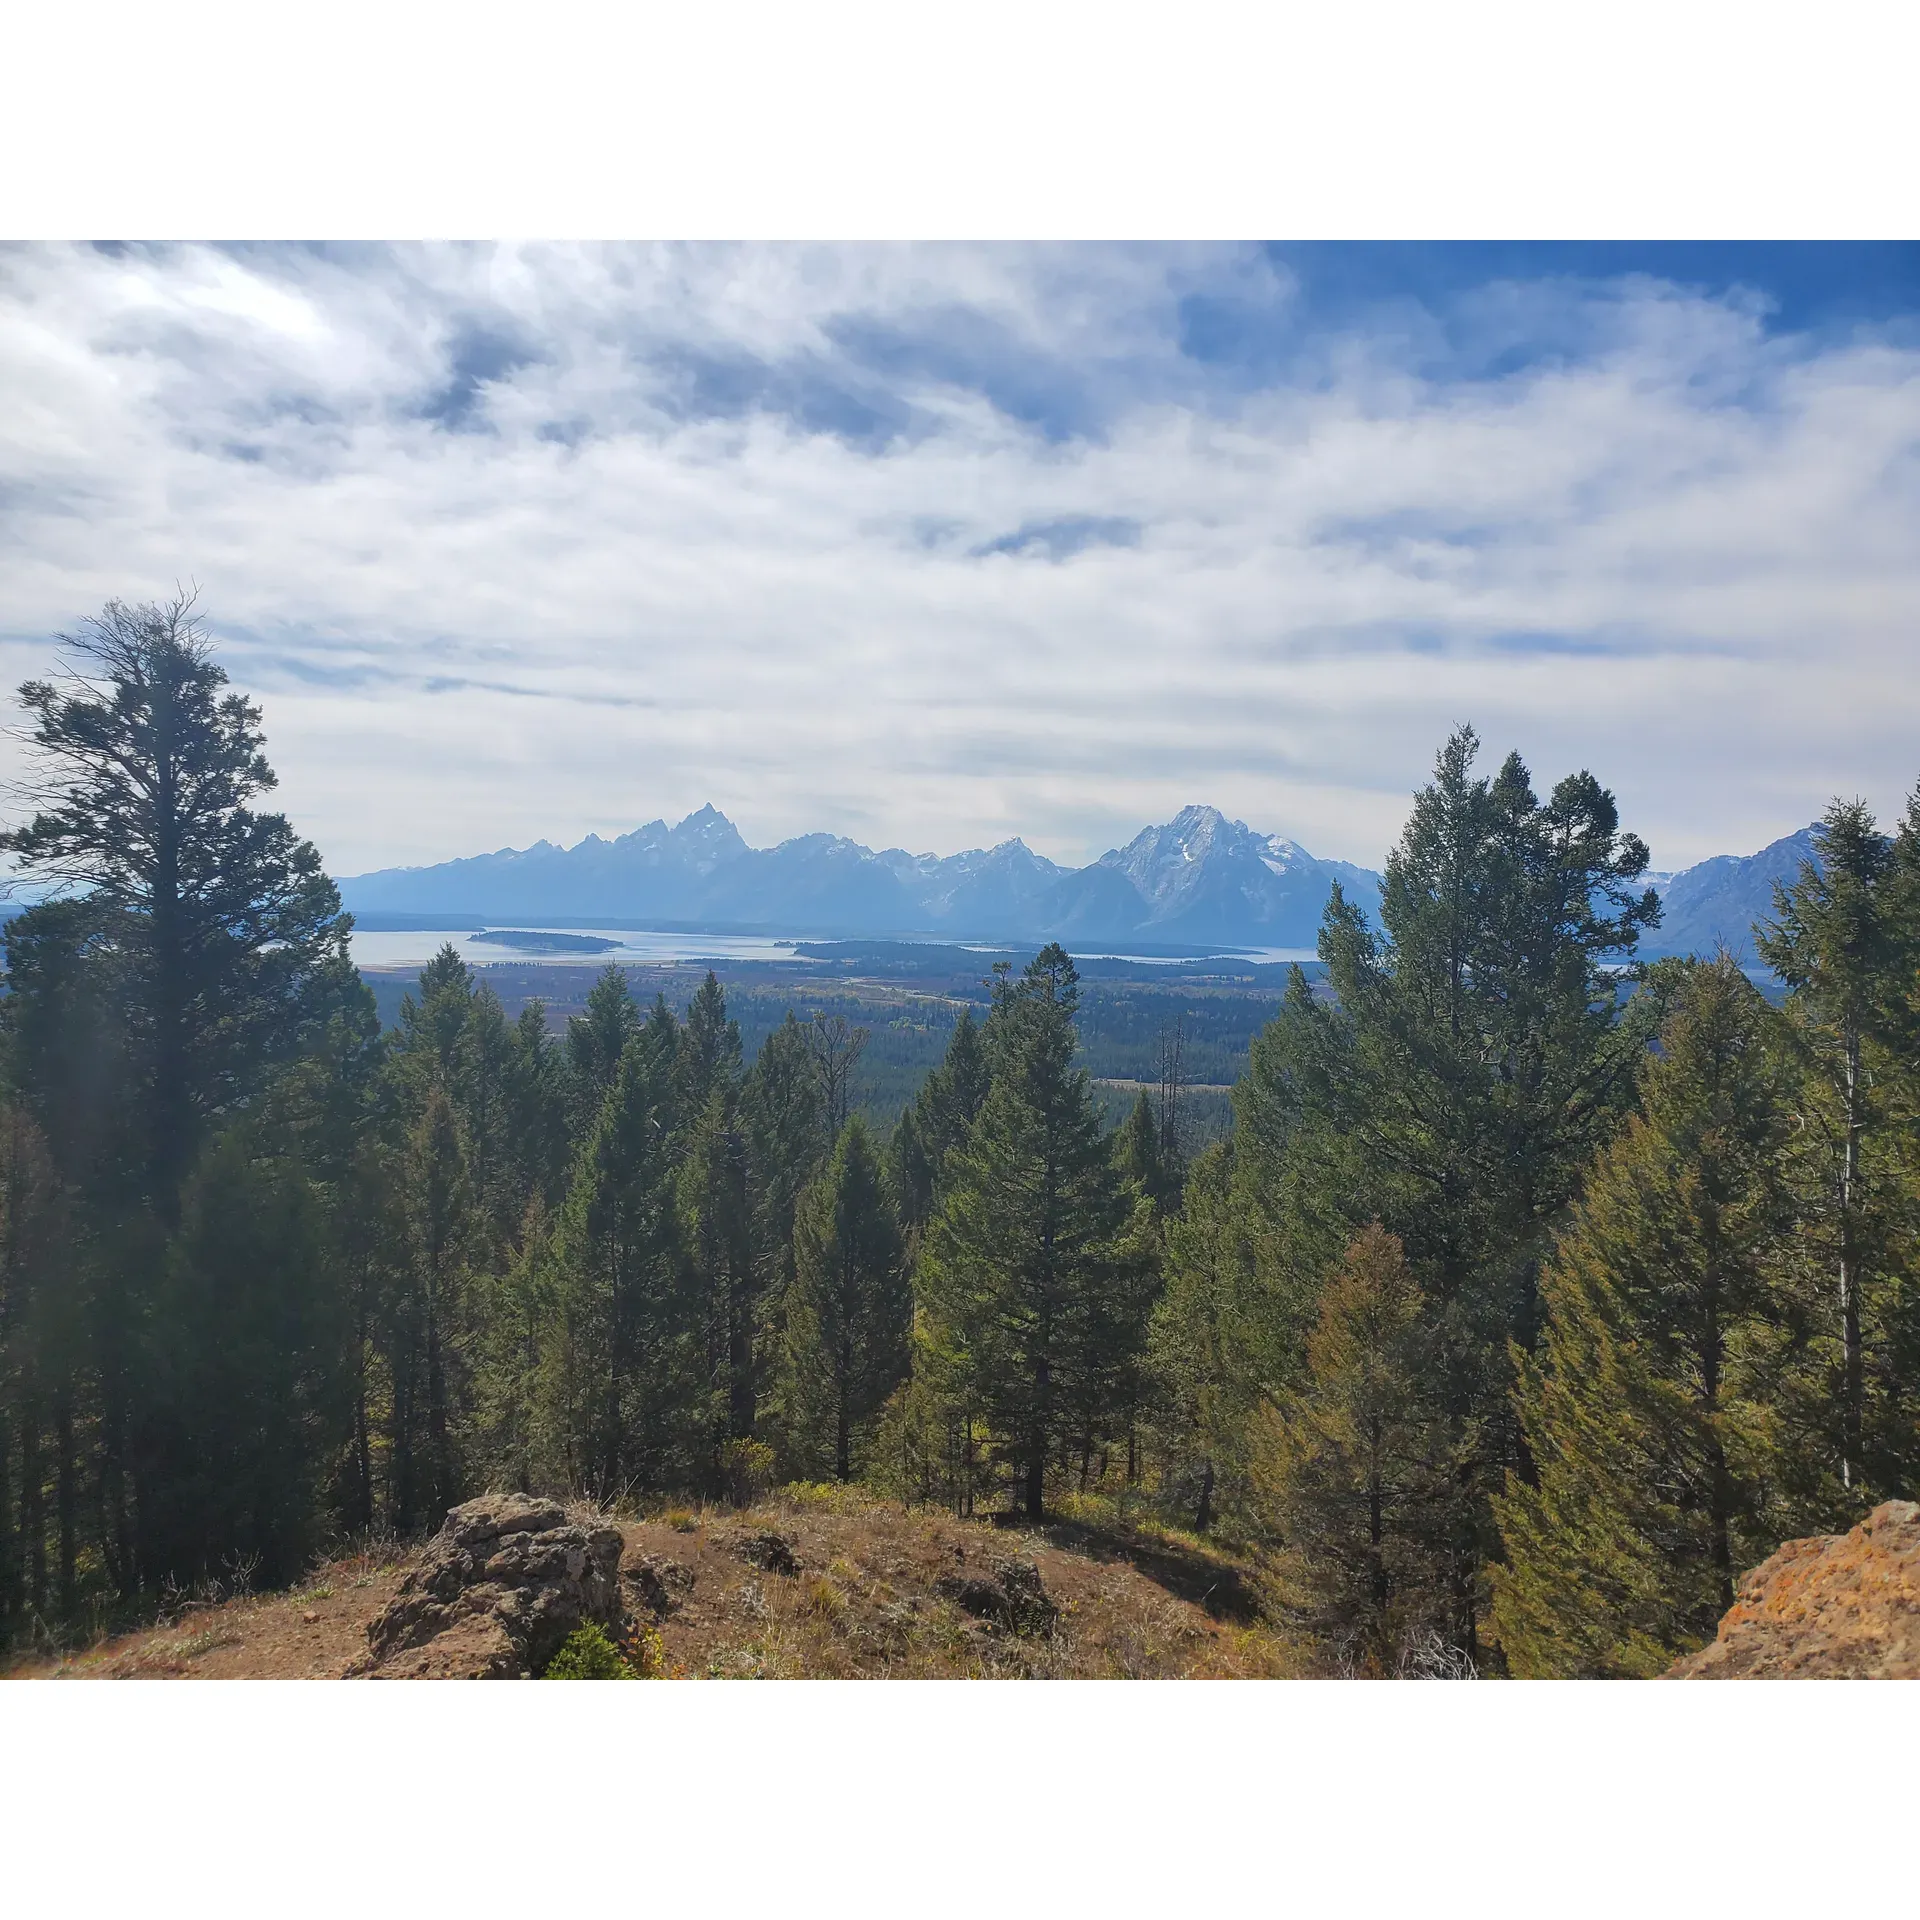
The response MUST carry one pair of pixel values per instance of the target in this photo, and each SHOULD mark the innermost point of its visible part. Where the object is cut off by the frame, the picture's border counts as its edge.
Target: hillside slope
(869, 1597)
(1719, 900)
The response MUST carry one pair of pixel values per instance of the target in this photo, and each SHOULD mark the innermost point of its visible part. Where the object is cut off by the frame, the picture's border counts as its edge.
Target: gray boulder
(496, 1591)
(1013, 1598)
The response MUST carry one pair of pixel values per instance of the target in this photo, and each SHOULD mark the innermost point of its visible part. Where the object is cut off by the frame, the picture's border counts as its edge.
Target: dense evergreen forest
(1534, 1294)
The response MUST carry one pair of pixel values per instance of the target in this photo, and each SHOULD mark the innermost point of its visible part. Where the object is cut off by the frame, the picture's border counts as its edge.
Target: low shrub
(587, 1654)
(747, 1468)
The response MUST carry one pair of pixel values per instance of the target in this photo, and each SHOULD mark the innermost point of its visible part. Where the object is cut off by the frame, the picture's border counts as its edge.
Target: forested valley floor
(1517, 1299)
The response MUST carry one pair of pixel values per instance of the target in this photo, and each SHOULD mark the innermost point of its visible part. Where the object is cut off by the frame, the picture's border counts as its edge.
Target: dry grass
(1133, 1603)
(1135, 1600)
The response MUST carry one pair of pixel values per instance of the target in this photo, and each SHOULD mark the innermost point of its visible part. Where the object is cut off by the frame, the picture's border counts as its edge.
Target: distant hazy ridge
(1201, 878)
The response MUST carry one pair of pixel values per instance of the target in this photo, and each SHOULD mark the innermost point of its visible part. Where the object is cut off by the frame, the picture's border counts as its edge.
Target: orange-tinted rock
(1842, 1606)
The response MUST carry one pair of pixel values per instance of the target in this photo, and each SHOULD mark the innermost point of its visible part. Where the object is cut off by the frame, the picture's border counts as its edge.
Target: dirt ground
(1134, 1603)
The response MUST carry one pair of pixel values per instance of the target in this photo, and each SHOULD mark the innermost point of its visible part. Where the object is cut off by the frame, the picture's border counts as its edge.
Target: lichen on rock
(1842, 1606)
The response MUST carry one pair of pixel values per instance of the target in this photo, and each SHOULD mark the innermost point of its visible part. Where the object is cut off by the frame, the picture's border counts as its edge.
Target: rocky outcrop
(497, 1589)
(770, 1552)
(1012, 1597)
(1843, 1606)
(658, 1584)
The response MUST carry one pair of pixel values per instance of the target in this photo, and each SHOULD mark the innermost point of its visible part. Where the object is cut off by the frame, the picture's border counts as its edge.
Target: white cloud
(718, 535)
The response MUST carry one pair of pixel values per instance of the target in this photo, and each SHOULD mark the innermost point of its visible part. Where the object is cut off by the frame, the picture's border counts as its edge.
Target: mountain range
(1200, 881)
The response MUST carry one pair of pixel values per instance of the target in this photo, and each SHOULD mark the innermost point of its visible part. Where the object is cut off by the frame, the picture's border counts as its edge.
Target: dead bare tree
(836, 1047)
(1173, 1080)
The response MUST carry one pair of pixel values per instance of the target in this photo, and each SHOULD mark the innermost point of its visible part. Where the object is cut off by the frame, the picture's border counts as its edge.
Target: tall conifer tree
(1652, 1411)
(1843, 945)
(1358, 1476)
(1018, 1255)
(846, 1328)
(620, 1387)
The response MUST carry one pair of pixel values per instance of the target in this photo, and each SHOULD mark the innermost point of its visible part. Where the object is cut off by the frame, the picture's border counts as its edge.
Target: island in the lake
(543, 942)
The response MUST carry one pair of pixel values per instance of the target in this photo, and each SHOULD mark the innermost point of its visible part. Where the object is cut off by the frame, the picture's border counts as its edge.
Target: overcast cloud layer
(936, 546)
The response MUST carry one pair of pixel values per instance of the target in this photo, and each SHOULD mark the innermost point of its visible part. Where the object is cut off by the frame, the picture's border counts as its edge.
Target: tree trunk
(10, 1595)
(1720, 1487)
(1037, 1433)
(33, 1525)
(1853, 1388)
(843, 1403)
(169, 1112)
(741, 1407)
(1376, 1542)
(402, 1491)
(1203, 1517)
(362, 1443)
(66, 1494)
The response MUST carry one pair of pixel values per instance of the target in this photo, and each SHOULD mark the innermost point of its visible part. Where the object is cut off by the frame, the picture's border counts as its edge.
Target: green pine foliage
(1208, 1355)
(243, 1406)
(597, 1042)
(621, 1386)
(783, 1112)
(587, 1654)
(1846, 940)
(938, 1123)
(1466, 1061)
(1652, 1412)
(847, 1315)
(1018, 1258)
(1138, 1157)
(1359, 1475)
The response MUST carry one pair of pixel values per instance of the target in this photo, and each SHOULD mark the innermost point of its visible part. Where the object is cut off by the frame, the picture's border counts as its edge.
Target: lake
(398, 951)
(384, 951)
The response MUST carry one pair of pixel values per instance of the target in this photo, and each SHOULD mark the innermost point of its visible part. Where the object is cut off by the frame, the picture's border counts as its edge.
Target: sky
(937, 545)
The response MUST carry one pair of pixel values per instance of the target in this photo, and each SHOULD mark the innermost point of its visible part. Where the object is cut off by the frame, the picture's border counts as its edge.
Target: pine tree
(597, 1042)
(519, 1307)
(941, 1117)
(245, 1411)
(1469, 1059)
(717, 1223)
(1208, 1345)
(200, 948)
(781, 1113)
(846, 1346)
(224, 939)
(1653, 1409)
(1136, 1152)
(1357, 1476)
(619, 1376)
(1841, 943)
(663, 1035)
(537, 1101)
(1015, 1260)
(709, 1050)
(43, 1389)
(428, 1333)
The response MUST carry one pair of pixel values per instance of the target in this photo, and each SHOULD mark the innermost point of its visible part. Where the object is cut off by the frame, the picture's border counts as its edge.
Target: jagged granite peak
(707, 838)
(1203, 876)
